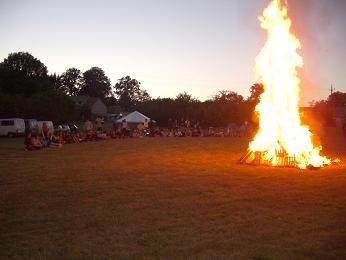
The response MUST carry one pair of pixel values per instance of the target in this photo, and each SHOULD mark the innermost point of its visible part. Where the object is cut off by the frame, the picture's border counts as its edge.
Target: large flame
(280, 127)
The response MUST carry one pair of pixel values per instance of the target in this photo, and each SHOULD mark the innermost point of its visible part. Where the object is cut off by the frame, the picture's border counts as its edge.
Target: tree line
(28, 91)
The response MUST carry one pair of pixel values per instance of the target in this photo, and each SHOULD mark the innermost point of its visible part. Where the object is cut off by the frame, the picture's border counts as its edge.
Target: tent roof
(134, 117)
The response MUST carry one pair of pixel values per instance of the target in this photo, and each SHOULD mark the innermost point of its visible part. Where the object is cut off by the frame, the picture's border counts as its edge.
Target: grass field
(167, 198)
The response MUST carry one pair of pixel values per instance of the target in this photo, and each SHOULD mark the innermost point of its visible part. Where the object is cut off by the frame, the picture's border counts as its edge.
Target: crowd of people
(47, 139)
(94, 131)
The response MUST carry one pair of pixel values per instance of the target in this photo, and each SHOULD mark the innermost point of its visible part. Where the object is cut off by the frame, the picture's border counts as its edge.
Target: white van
(12, 127)
(49, 124)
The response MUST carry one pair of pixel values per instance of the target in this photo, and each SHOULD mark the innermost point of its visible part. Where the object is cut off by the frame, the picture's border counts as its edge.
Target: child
(36, 142)
(29, 146)
(54, 141)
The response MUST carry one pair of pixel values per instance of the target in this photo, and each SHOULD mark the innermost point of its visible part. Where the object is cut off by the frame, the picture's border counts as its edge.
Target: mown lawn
(167, 198)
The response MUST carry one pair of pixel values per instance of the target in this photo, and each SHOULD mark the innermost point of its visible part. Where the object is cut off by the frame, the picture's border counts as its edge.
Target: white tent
(134, 117)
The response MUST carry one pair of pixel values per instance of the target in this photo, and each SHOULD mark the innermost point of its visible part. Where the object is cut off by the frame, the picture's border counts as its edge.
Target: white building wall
(99, 108)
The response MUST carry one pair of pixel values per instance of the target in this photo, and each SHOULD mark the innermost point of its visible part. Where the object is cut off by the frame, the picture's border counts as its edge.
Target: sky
(171, 46)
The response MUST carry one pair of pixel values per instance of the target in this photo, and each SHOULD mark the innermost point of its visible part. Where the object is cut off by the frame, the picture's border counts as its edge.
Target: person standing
(114, 123)
(44, 130)
(146, 124)
(124, 128)
(99, 123)
(88, 126)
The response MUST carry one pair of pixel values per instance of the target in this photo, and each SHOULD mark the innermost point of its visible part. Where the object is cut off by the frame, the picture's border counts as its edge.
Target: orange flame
(280, 126)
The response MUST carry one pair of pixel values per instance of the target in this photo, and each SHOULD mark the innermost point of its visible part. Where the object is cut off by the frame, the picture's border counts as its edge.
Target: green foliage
(129, 93)
(323, 109)
(95, 83)
(71, 81)
(48, 105)
(55, 80)
(24, 63)
(225, 107)
(26, 91)
(16, 82)
(337, 99)
(12, 105)
(51, 105)
(255, 92)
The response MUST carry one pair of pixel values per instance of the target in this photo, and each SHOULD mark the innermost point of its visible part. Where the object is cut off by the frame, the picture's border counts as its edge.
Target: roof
(134, 117)
(82, 98)
(114, 109)
(90, 102)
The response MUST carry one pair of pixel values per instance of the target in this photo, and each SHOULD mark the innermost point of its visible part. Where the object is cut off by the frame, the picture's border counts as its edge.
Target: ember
(281, 140)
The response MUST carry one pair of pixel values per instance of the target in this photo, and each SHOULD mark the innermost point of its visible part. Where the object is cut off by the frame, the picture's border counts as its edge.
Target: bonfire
(282, 139)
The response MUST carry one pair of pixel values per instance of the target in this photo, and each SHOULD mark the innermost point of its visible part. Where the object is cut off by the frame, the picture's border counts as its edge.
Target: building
(90, 106)
(113, 111)
(339, 115)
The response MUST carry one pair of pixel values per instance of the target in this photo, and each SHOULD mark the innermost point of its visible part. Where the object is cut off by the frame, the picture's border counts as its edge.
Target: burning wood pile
(281, 140)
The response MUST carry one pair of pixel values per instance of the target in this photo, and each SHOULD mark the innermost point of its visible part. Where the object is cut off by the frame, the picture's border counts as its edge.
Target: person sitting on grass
(29, 145)
(140, 127)
(115, 134)
(94, 136)
(80, 137)
(88, 136)
(76, 138)
(68, 138)
(37, 143)
(101, 135)
(136, 133)
(44, 140)
(54, 141)
(61, 138)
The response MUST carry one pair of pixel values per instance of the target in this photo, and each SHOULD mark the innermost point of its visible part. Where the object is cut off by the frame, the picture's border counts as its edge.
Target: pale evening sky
(171, 46)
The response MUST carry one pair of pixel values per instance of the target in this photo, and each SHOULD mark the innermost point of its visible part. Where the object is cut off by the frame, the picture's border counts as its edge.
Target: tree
(95, 83)
(55, 79)
(186, 106)
(51, 105)
(71, 81)
(25, 63)
(249, 107)
(185, 98)
(337, 99)
(228, 96)
(255, 92)
(324, 109)
(21, 73)
(130, 93)
(225, 107)
(27, 91)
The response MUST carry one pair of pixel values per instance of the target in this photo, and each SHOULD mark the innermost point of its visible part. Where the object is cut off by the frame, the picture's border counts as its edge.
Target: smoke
(311, 18)
(318, 24)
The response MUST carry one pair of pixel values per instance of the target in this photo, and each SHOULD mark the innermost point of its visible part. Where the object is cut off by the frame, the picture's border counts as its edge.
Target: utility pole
(332, 89)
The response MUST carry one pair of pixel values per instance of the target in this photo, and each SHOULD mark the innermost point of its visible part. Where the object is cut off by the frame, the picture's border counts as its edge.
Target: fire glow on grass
(281, 138)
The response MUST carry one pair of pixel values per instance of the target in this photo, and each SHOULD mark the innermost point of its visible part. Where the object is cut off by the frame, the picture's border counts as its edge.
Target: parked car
(65, 128)
(62, 128)
(12, 127)
(57, 128)
(73, 128)
(49, 124)
(32, 125)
